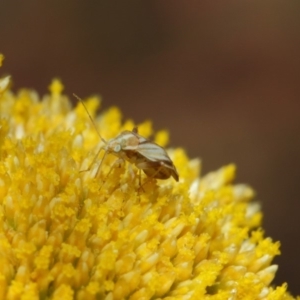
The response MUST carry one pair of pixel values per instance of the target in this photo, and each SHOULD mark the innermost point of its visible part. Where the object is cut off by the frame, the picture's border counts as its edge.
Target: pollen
(71, 233)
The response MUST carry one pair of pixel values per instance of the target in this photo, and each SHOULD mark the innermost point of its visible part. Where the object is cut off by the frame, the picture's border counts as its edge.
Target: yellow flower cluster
(67, 234)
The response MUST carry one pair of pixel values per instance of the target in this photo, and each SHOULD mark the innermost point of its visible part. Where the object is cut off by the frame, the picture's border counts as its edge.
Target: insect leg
(99, 167)
(111, 168)
(152, 176)
(93, 161)
(146, 165)
(140, 181)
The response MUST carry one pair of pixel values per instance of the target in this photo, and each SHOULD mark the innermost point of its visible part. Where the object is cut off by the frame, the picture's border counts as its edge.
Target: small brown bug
(134, 148)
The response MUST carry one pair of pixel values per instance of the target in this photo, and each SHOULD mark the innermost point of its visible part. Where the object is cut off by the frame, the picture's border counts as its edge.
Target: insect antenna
(102, 139)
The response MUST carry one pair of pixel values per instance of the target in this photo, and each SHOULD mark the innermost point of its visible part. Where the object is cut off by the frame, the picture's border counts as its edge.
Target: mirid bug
(137, 150)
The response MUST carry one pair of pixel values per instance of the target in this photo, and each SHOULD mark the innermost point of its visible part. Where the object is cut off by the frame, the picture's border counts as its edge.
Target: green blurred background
(222, 76)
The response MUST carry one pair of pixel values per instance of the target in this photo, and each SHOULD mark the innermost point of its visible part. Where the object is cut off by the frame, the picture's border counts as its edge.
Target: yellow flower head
(67, 233)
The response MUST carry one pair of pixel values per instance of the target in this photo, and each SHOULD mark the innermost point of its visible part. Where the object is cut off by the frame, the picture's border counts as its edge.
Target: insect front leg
(94, 160)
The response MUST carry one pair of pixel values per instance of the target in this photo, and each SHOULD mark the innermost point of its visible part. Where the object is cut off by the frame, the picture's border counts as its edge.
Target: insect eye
(117, 148)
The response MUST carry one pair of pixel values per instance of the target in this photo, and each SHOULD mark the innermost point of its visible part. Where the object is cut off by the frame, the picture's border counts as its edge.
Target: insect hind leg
(144, 166)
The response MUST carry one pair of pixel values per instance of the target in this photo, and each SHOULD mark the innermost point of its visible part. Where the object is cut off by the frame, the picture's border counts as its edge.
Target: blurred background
(222, 76)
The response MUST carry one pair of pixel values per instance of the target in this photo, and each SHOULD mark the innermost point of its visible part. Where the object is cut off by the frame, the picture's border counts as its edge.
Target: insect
(137, 150)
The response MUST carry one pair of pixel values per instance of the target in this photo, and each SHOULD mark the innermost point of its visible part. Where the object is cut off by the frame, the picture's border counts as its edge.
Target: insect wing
(152, 151)
(161, 172)
(158, 159)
